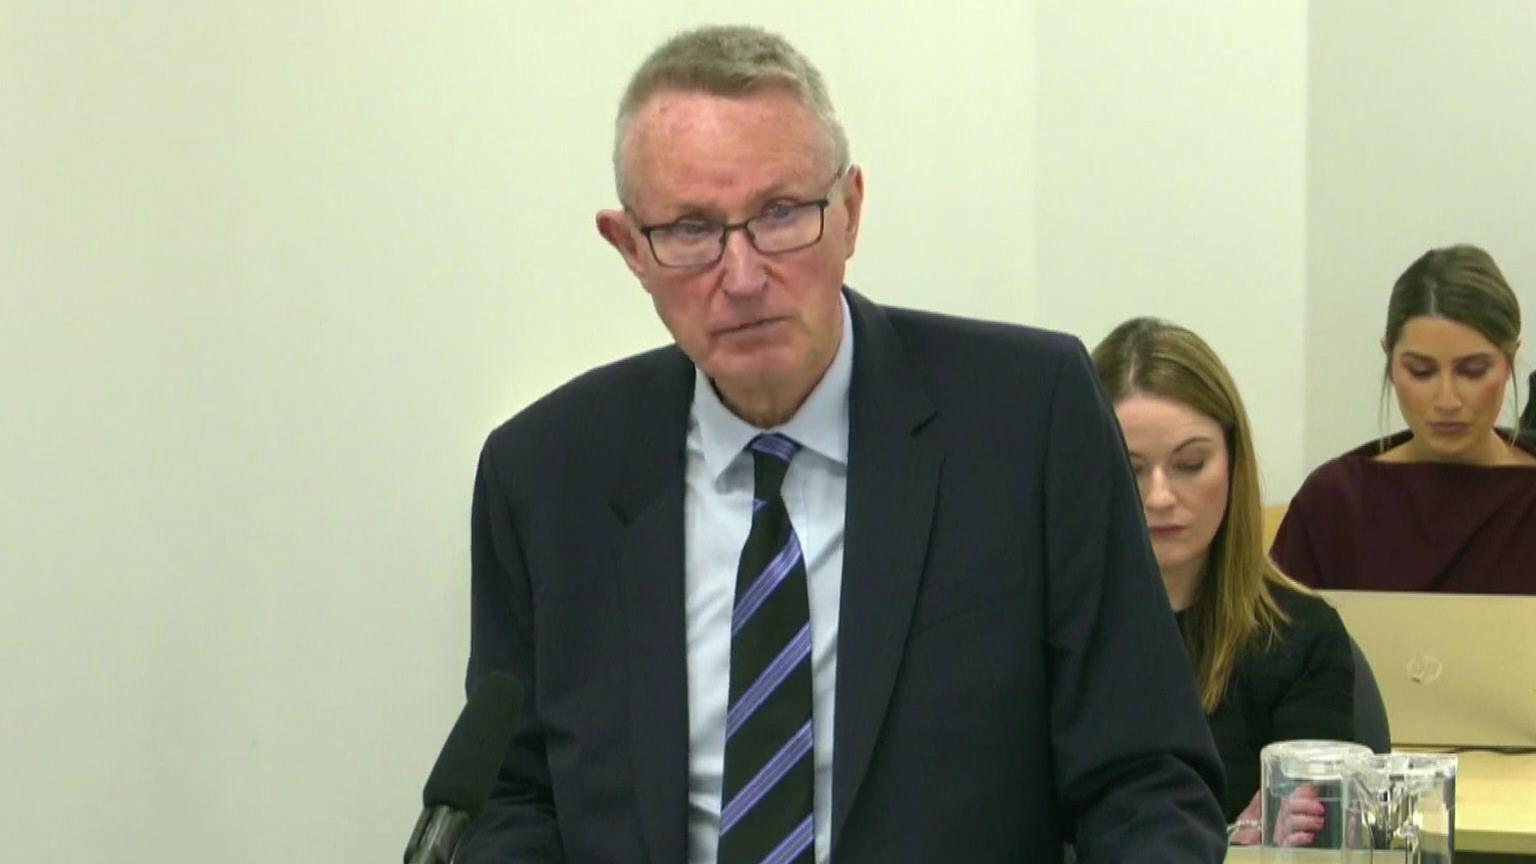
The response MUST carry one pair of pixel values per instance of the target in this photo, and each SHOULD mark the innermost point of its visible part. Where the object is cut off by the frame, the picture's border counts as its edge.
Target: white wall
(1171, 183)
(270, 272)
(1423, 122)
(940, 101)
(254, 262)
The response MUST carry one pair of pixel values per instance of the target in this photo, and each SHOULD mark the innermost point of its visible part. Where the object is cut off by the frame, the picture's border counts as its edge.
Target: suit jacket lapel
(893, 473)
(649, 502)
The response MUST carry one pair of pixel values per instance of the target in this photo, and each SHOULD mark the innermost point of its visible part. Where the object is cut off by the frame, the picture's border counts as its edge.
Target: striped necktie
(766, 816)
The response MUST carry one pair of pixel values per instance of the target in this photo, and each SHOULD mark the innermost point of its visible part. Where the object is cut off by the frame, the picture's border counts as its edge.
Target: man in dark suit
(824, 580)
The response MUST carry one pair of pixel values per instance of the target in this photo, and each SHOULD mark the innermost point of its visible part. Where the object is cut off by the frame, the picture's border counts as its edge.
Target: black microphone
(466, 769)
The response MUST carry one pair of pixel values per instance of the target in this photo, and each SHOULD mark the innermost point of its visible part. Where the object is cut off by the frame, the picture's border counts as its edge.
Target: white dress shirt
(718, 516)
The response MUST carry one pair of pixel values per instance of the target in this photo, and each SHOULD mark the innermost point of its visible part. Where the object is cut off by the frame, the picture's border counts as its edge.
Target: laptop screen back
(1455, 670)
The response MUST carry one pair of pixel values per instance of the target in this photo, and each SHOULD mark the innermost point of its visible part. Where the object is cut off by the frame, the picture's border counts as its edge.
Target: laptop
(1455, 670)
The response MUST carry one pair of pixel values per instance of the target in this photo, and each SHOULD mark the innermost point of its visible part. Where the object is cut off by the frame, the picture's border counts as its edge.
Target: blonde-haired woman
(1271, 660)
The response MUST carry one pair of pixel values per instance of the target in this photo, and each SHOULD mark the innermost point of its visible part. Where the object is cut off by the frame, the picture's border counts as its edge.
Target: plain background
(270, 272)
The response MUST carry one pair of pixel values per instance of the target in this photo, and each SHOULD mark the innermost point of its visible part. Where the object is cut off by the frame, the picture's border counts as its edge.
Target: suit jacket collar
(893, 472)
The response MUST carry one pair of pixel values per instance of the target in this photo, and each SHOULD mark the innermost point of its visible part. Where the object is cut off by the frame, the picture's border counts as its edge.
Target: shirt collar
(821, 424)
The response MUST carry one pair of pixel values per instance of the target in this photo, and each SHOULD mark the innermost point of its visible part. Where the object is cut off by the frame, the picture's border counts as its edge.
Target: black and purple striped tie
(766, 816)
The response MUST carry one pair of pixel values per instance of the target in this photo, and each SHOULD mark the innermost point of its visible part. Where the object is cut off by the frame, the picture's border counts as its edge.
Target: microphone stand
(436, 835)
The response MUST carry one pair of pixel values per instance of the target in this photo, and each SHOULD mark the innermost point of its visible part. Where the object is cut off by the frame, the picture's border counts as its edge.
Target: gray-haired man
(824, 580)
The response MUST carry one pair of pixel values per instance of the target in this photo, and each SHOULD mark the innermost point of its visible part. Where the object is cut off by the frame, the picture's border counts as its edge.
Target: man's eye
(778, 213)
(691, 230)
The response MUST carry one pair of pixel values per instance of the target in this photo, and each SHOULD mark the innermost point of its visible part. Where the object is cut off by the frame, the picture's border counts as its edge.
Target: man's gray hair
(727, 61)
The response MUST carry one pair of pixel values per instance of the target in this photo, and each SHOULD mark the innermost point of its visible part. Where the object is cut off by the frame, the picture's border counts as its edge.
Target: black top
(1299, 685)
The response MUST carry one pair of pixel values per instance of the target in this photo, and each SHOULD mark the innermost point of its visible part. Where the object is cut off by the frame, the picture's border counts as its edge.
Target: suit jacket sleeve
(1136, 768)
(518, 824)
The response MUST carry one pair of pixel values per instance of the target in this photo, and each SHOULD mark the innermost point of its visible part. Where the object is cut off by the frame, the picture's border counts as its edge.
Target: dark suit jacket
(1009, 676)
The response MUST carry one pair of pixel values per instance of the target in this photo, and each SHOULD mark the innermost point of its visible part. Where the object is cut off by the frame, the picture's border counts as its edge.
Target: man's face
(755, 323)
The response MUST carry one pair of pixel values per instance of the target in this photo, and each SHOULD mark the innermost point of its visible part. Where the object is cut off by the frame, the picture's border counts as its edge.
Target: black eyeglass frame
(725, 229)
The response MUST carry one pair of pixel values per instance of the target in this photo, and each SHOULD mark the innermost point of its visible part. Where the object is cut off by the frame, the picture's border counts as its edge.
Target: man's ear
(619, 231)
(853, 202)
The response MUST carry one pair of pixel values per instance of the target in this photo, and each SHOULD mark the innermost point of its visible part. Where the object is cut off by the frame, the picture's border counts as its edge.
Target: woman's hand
(1246, 830)
(1297, 824)
(1301, 817)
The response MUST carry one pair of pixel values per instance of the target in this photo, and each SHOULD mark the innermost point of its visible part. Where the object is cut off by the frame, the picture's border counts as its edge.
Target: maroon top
(1412, 526)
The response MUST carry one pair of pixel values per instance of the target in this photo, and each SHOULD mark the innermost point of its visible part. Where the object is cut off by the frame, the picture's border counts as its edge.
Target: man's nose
(744, 272)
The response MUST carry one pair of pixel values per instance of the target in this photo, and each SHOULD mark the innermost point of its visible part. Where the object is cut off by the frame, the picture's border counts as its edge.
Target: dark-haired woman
(1450, 503)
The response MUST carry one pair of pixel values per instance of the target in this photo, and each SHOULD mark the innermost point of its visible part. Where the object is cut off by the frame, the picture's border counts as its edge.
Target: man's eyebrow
(779, 190)
(693, 210)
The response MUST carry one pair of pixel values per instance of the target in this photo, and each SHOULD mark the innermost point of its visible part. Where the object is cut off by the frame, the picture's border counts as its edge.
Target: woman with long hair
(1271, 659)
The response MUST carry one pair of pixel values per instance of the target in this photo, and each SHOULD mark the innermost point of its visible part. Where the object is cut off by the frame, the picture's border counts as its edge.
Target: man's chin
(760, 366)
(756, 376)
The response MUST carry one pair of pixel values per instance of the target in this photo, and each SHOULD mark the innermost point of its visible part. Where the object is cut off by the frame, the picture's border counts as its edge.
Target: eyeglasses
(783, 227)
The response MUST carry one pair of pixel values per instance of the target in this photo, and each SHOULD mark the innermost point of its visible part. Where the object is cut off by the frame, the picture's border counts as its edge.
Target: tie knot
(771, 455)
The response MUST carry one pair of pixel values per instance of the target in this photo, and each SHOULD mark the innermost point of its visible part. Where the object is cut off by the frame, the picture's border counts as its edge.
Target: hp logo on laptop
(1424, 668)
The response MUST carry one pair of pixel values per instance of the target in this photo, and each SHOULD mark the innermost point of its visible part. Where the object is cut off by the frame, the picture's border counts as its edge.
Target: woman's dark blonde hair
(1462, 284)
(1235, 605)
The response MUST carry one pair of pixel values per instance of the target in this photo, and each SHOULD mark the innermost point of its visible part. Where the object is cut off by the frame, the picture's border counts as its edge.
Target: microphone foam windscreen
(466, 769)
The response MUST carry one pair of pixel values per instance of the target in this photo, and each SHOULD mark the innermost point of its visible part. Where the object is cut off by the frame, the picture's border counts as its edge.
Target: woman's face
(1180, 459)
(1450, 388)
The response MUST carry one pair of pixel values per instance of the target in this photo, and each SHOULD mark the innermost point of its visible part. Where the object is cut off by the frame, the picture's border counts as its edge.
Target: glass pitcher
(1302, 807)
(1401, 808)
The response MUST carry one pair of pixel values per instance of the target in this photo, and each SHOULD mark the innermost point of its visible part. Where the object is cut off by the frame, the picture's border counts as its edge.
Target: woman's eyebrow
(1425, 358)
(1197, 439)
